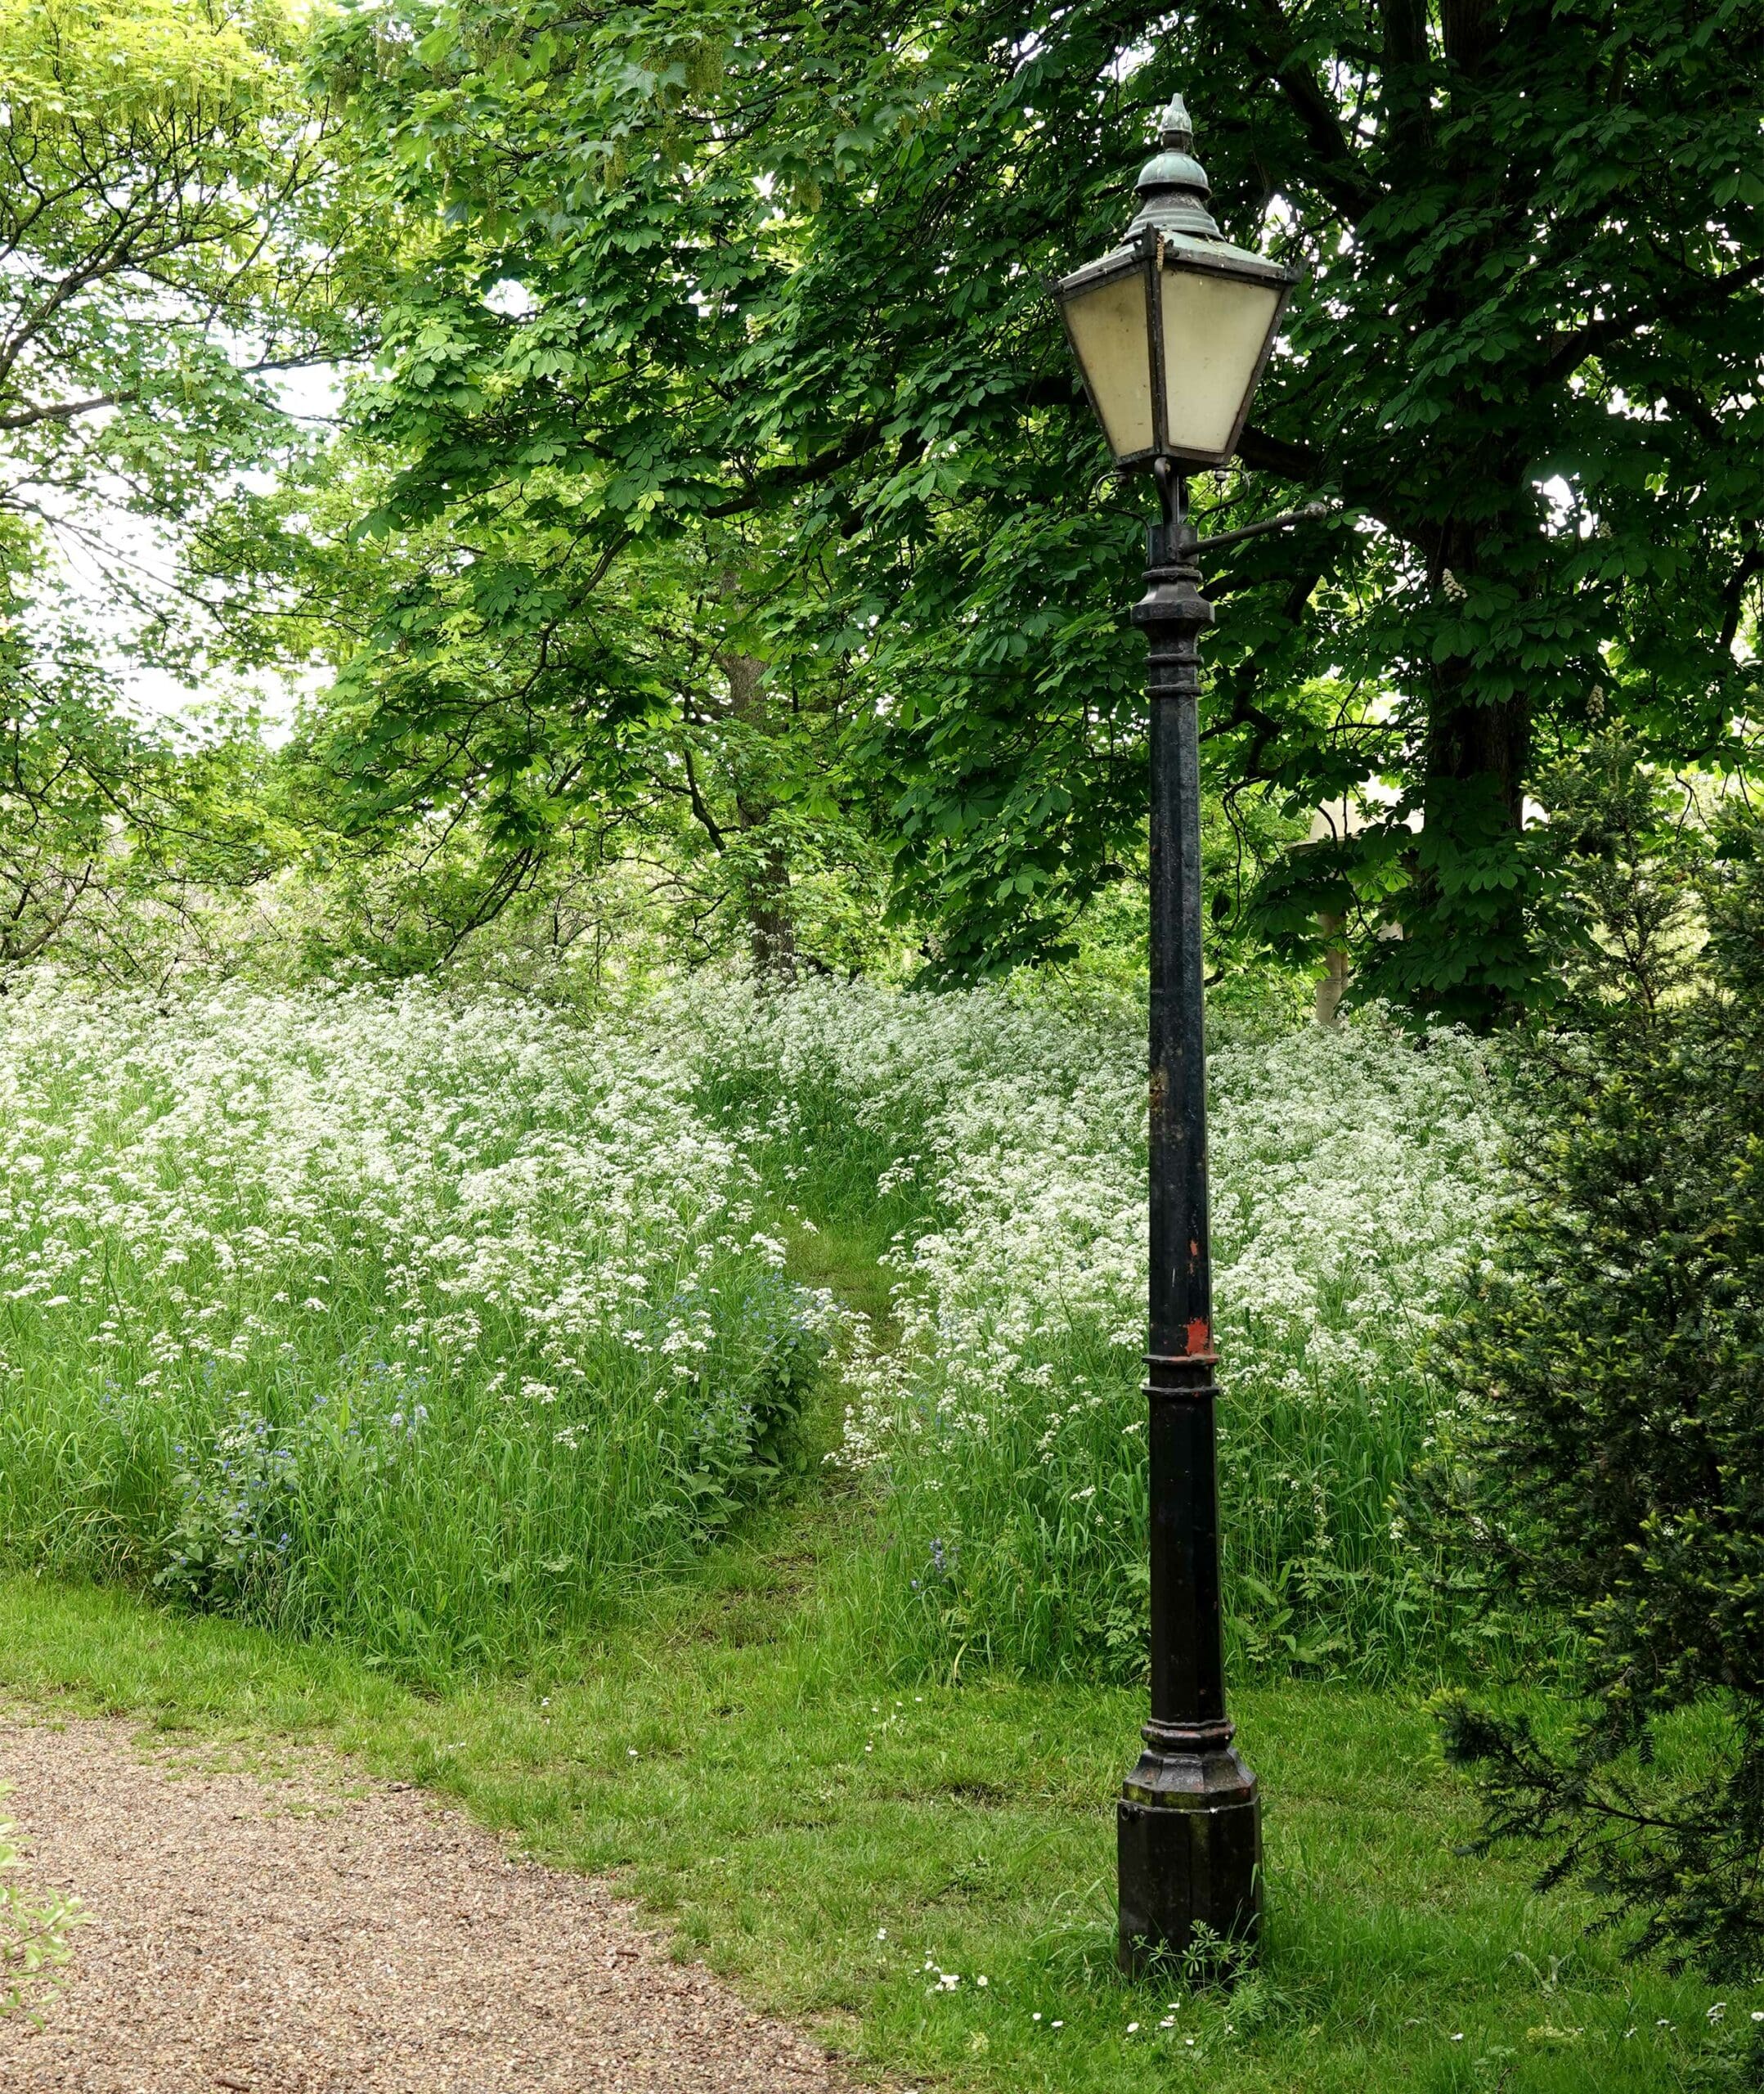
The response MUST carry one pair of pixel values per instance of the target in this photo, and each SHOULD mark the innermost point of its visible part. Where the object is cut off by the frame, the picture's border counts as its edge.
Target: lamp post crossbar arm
(1308, 514)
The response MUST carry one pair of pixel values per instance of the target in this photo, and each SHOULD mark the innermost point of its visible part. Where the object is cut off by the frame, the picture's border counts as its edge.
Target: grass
(835, 1840)
(821, 1837)
(428, 1325)
(1351, 1175)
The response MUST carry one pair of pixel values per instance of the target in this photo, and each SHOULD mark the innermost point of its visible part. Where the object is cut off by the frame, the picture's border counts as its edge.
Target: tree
(1605, 1470)
(164, 182)
(122, 849)
(508, 729)
(785, 262)
(170, 217)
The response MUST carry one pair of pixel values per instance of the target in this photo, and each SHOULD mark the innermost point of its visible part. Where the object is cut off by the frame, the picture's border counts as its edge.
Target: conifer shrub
(1604, 1464)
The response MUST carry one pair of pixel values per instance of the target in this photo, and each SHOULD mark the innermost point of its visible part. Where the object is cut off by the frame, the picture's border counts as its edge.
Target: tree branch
(1337, 173)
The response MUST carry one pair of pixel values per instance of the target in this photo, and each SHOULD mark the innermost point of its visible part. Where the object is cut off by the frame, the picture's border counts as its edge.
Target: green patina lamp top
(1173, 185)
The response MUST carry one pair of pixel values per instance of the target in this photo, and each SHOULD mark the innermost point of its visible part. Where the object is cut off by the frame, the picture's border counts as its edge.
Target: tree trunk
(1467, 938)
(1332, 983)
(771, 922)
(1467, 741)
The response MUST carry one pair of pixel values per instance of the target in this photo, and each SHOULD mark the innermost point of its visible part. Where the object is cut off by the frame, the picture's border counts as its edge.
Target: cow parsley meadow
(423, 1320)
(433, 1320)
(1352, 1172)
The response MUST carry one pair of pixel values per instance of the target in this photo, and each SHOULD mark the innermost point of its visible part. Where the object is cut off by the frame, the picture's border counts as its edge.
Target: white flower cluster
(215, 1187)
(1350, 1171)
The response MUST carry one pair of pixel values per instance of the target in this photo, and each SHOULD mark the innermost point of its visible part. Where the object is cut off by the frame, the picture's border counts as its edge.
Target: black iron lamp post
(1171, 330)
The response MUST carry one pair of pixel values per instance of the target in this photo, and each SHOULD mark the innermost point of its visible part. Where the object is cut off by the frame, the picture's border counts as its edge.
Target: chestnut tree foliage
(759, 287)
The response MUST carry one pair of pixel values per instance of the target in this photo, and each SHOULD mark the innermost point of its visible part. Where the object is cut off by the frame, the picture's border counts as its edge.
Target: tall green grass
(436, 1323)
(429, 1324)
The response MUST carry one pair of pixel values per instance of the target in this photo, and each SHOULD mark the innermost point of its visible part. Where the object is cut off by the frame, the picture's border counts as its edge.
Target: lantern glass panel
(1109, 334)
(1215, 329)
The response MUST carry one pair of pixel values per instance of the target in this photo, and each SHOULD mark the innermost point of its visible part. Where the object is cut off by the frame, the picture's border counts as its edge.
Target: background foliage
(722, 407)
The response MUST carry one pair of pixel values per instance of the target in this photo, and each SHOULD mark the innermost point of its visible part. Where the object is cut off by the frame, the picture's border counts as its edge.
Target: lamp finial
(1173, 186)
(1175, 130)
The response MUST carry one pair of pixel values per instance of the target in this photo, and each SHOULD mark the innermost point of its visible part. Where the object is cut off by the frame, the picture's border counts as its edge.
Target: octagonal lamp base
(1189, 1829)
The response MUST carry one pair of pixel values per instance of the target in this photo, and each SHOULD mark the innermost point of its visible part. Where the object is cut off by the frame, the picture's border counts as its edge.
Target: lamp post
(1171, 330)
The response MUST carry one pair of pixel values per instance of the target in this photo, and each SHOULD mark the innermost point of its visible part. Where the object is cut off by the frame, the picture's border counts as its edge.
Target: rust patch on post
(1198, 1335)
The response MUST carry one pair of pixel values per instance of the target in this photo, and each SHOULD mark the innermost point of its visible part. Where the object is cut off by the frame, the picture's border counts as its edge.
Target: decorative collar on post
(1173, 186)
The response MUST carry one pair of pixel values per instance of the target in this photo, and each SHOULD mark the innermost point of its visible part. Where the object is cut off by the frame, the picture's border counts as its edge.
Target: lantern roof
(1173, 184)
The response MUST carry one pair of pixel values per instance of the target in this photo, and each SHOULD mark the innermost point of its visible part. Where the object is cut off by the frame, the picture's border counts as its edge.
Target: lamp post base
(1189, 1832)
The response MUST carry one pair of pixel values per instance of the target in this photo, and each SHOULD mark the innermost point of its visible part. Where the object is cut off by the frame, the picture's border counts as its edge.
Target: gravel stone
(289, 1935)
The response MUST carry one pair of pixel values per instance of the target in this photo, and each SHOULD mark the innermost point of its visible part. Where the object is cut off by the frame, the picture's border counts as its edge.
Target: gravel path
(283, 1936)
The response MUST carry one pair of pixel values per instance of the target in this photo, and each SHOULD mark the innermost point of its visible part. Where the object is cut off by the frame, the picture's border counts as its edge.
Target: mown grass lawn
(836, 1844)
